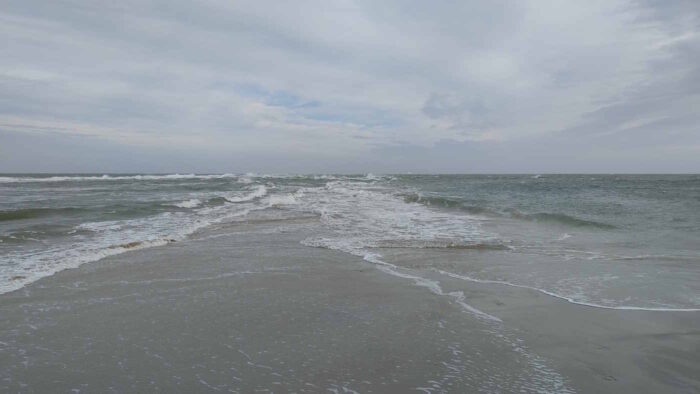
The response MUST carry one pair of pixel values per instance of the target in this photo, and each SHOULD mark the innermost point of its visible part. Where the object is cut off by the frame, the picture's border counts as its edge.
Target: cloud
(468, 115)
(342, 83)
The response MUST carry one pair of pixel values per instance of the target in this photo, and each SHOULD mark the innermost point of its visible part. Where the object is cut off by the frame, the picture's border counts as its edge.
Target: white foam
(564, 237)
(434, 287)
(107, 238)
(369, 214)
(110, 238)
(257, 192)
(325, 177)
(281, 199)
(48, 263)
(112, 225)
(361, 216)
(191, 203)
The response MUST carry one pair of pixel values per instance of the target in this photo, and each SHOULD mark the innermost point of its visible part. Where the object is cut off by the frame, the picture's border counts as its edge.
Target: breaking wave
(257, 192)
(191, 203)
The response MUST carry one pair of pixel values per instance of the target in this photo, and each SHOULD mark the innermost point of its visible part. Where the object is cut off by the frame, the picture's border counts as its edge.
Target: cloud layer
(350, 86)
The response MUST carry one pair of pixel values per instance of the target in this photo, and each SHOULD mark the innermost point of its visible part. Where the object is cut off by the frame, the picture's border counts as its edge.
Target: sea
(604, 241)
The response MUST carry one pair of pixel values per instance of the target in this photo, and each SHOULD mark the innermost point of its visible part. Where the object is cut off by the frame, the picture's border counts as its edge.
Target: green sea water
(610, 241)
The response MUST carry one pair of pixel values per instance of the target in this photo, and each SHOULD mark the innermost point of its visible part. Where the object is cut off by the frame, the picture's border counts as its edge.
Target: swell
(561, 218)
(437, 244)
(551, 217)
(32, 213)
(430, 200)
(105, 211)
(568, 299)
(659, 257)
(121, 210)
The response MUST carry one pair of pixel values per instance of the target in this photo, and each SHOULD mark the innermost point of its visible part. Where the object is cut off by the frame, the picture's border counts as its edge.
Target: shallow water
(613, 241)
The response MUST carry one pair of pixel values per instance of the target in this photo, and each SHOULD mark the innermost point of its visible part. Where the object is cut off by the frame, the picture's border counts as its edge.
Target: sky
(350, 86)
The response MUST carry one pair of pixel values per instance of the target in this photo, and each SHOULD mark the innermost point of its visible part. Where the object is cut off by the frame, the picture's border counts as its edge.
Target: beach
(350, 197)
(246, 307)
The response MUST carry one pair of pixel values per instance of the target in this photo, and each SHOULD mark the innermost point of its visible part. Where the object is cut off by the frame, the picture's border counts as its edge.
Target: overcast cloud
(350, 86)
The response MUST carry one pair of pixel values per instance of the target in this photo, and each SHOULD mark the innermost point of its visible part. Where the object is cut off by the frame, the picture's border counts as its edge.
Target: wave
(66, 259)
(561, 218)
(431, 200)
(659, 257)
(140, 244)
(447, 202)
(285, 199)
(245, 179)
(32, 213)
(440, 244)
(21, 237)
(564, 237)
(362, 215)
(69, 178)
(215, 201)
(121, 210)
(565, 298)
(257, 192)
(111, 238)
(191, 203)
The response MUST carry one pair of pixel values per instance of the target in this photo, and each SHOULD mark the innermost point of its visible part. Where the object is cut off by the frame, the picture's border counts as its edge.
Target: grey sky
(350, 86)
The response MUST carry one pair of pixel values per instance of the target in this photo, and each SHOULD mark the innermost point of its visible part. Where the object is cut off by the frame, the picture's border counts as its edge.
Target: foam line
(571, 300)
(431, 285)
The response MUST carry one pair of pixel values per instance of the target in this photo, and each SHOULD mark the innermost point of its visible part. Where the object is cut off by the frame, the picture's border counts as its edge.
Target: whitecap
(564, 237)
(256, 192)
(191, 203)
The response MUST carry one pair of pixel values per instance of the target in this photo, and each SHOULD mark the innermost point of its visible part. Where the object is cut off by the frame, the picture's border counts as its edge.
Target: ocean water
(607, 241)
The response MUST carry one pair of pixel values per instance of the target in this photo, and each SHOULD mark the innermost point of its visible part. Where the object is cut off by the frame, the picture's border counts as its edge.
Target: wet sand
(247, 308)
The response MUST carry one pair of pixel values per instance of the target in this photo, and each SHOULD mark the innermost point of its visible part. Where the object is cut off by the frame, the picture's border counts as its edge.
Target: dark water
(620, 241)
